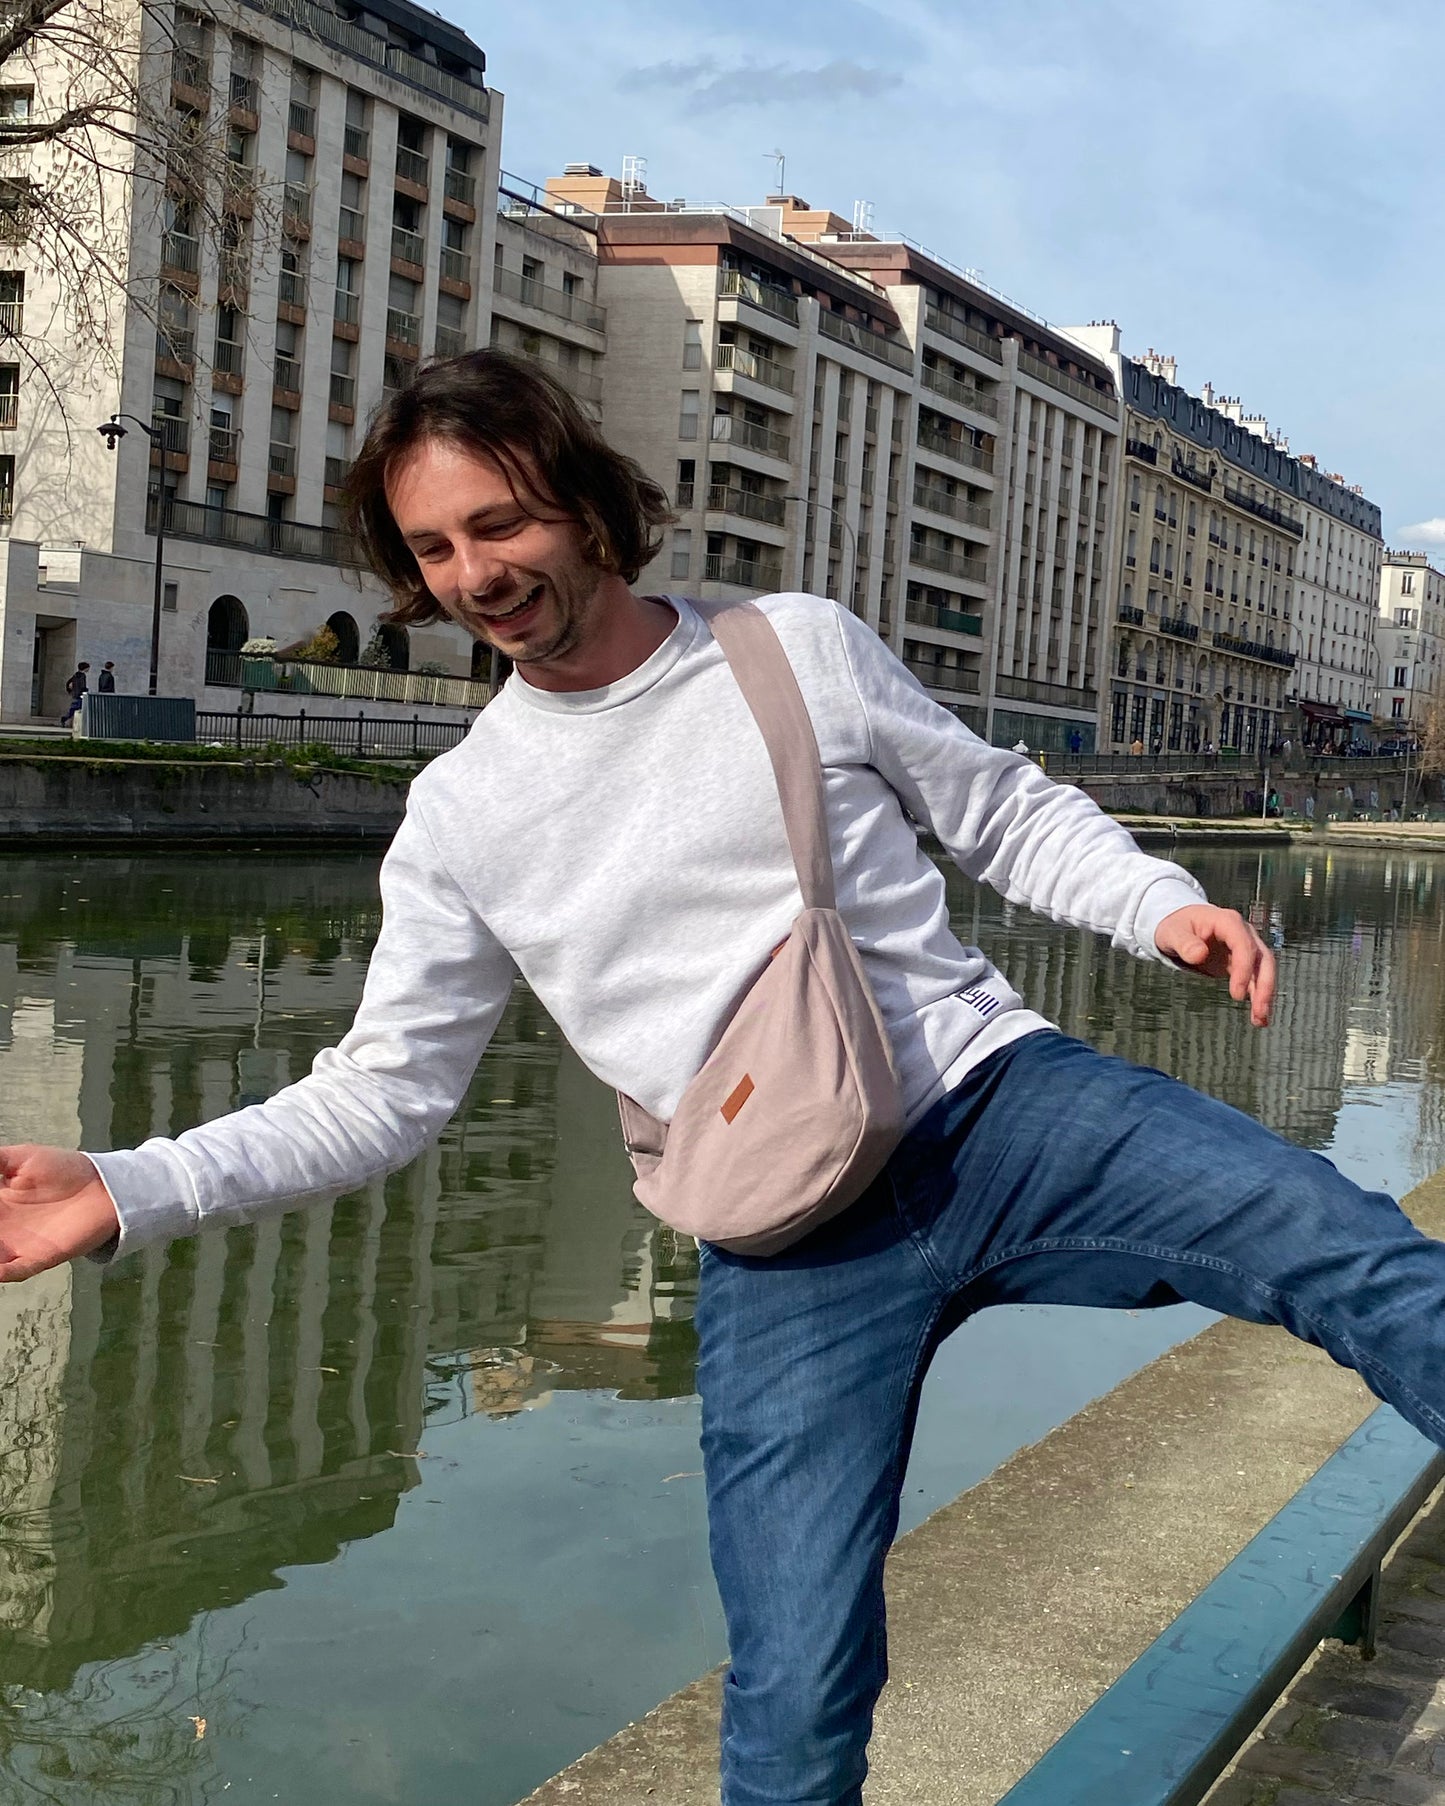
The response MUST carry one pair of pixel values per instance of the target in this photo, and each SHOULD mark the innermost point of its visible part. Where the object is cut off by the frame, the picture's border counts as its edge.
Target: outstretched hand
(1221, 944)
(53, 1207)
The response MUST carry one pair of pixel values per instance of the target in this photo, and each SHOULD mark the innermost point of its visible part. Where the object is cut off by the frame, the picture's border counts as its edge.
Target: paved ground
(1012, 1609)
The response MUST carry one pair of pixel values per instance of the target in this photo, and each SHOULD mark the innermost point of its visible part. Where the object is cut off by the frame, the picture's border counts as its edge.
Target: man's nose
(478, 568)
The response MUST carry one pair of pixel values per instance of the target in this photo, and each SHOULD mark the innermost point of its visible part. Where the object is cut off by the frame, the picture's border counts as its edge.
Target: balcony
(191, 69)
(282, 460)
(731, 429)
(1263, 511)
(422, 74)
(951, 327)
(959, 450)
(407, 247)
(761, 575)
(223, 444)
(403, 328)
(451, 341)
(180, 251)
(776, 301)
(351, 683)
(351, 225)
(956, 507)
(945, 677)
(1186, 474)
(1178, 628)
(233, 275)
(937, 558)
(254, 532)
(754, 368)
(296, 208)
(173, 435)
(336, 472)
(346, 309)
(343, 390)
(862, 338)
(1044, 371)
(1271, 655)
(1129, 615)
(952, 620)
(747, 502)
(558, 302)
(356, 142)
(245, 93)
(412, 166)
(1136, 448)
(286, 374)
(456, 266)
(301, 119)
(291, 291)
(458, 186)
(176, 345)
(965, 394)
(1033, 689)
(9, 409)
(12, 319)
(230, 357)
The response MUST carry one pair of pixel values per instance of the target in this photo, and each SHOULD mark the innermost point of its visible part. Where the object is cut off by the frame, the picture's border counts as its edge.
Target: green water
(398, 1500)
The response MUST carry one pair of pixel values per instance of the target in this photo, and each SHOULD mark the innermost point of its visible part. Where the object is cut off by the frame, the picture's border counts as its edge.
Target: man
(611, 828)
(75, 688)
(105, 683)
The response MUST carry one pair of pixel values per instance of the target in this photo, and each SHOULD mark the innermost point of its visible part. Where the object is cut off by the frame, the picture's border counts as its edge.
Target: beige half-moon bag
(797, 1108)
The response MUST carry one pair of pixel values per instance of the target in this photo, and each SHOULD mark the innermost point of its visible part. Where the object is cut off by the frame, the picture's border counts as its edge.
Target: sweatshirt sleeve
(1002, 820)
(435, 990)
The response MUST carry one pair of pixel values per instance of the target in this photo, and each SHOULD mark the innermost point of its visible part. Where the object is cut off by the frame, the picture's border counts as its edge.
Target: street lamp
(838, 515)
(113, 432)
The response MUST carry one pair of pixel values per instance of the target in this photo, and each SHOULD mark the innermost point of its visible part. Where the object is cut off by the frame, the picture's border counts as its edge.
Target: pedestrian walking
(105, 683)
(625, 830)
(1136, 747)
(75, 688)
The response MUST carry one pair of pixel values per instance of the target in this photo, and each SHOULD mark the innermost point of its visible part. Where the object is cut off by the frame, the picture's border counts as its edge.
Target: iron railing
(457, 185)
(407, 246)
(354, 683)
(254, 532)
(959, 450)
(746, 502)
(361, 736)
(559, 302)
(756, 369)
(862, 338)
(965, 394)
(732, 429)
(937, 320)
(759, 575)
(776, 301)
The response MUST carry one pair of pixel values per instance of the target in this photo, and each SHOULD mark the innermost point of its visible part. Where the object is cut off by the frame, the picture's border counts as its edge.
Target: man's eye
(429, 554)
(504, 528)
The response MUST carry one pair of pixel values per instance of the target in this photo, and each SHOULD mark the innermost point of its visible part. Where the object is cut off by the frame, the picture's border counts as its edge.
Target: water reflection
(182, 1434)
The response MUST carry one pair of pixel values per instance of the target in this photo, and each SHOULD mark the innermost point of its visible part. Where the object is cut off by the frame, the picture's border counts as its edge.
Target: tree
(105, 115)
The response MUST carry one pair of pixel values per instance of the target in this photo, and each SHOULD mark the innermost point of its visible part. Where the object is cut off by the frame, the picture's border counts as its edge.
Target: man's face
(511, 572)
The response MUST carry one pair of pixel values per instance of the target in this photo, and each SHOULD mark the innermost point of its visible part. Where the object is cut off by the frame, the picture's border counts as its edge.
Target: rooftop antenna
(634, 177)
(780, 174)
(862, 219)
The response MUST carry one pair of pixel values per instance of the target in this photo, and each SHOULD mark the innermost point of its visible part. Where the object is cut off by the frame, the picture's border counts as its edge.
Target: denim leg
(809, 1365)
(1055, 1174)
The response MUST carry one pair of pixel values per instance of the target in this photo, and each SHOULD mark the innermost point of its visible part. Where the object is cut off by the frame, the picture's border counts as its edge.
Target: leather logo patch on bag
(737, 1097)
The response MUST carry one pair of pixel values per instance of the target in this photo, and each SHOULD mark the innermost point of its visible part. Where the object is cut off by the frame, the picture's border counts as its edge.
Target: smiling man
(611, 829)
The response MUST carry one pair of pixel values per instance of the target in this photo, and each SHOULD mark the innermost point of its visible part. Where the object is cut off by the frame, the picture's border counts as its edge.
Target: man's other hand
(1221, 944)
(53, 1207)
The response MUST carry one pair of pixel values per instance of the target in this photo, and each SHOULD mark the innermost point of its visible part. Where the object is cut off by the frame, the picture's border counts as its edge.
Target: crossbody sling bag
(797, 1107)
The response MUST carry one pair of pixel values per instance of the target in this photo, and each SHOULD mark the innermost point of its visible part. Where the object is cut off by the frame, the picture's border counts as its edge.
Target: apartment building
(1218, 522)
(544, 291)
(355, 235)
(1337, 589)
(1408, 669)
(842, 412)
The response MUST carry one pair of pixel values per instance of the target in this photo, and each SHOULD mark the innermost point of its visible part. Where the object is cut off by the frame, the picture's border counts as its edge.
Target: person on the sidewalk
(611, 827)
(105, 683)
(75, 687)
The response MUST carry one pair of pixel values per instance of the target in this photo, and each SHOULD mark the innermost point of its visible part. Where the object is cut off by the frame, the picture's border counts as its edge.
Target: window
(16, 104)
(170, 597)
(692, 344)
(1401, 677)
(688, 415)
(682, 552)
(686, 481)
(1397, 707)
(1407, 583)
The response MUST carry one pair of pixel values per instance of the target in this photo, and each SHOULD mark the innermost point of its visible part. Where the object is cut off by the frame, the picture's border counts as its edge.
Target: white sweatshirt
(624, 849)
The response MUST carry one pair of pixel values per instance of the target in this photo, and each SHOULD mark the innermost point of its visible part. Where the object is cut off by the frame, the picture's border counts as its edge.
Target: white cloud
(1424, 533)
(706, 82)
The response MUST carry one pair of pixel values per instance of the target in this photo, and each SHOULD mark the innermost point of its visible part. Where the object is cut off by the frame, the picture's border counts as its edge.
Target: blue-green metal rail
(1166, 1729)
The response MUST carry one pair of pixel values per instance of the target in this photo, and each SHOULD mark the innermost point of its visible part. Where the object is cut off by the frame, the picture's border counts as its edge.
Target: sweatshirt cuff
(153, 1197)
(1161, 899)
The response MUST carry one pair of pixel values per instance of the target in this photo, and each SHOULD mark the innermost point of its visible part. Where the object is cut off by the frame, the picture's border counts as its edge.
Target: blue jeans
(1052, 1174)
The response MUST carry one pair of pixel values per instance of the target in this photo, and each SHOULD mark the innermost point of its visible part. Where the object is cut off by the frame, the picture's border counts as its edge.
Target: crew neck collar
(684, 635)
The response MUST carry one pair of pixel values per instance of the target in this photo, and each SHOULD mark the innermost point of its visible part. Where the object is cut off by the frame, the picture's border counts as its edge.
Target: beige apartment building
(841, 412)
(356, 236)
(1408, 676)
(1219, 525)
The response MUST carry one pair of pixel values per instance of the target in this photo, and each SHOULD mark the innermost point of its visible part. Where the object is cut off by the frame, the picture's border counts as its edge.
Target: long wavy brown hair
(506, 409)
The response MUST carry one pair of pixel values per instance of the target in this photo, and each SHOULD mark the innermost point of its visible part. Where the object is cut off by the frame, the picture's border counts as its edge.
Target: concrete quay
(1013, 1608)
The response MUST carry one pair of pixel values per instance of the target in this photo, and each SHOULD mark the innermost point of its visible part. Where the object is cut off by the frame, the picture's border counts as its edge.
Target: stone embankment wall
(87, 801)
(1363, 786)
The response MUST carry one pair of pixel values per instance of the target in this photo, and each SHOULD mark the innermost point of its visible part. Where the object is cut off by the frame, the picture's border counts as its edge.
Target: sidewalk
(1012, 1609)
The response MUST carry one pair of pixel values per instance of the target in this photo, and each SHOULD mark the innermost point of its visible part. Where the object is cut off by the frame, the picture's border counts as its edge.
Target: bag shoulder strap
(751, 646)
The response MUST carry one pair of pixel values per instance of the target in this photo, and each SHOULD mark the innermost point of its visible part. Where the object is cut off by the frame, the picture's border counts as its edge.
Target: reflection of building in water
(205, 1414)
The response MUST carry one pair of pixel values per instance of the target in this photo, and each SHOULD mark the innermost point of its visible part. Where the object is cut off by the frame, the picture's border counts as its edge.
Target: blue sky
(1253, 186)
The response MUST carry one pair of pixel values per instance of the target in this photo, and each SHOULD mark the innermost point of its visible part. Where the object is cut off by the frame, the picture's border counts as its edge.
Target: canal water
(398, 1500)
